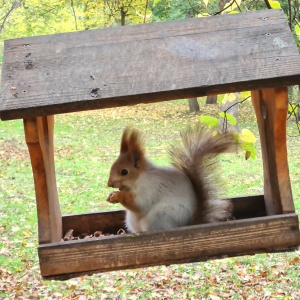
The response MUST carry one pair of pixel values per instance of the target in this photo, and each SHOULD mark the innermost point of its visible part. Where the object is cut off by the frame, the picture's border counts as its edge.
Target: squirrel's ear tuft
(124, 141)
(132, 144)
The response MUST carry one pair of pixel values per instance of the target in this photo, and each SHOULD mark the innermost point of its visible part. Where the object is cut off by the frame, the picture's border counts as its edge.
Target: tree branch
(74, 14)
(238, 6)
(293, 113)
(268, 4)
(192, 7)
(146, 7)
(224, 8)
(290, 13)
(14, 5)
(112, 13)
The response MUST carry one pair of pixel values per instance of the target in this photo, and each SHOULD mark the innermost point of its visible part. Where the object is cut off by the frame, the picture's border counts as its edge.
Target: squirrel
(161, 198)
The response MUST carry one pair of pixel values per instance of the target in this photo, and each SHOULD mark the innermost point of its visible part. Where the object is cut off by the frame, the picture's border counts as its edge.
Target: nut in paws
(114, 197)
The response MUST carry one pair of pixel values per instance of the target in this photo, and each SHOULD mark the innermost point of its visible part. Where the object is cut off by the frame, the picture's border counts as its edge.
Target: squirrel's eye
(124, 172)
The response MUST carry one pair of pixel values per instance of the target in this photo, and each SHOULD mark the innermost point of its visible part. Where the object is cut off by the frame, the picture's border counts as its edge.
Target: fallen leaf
(295, 260)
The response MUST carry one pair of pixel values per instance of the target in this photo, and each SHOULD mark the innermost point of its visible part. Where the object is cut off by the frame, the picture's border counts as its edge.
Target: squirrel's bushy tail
(196, 156)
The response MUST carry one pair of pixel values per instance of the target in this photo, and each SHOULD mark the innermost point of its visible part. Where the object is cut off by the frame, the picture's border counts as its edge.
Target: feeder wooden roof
(110, 67)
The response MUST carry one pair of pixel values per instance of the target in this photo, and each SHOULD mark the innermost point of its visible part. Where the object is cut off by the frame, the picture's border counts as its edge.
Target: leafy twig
(225, 123)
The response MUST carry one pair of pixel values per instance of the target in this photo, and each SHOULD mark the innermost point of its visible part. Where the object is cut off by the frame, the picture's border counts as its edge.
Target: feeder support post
(271, 107)
(39, 139)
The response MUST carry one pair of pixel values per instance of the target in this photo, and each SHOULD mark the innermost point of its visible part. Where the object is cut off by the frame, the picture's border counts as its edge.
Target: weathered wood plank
(108, 222)
(248, 206)
(147, 63)
(39, 139)
(271, 106)
(185, 244)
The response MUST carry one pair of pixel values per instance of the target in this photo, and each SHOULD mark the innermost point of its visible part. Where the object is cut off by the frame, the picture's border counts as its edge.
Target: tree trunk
(212, 99)
(193, 105)
(123, 16)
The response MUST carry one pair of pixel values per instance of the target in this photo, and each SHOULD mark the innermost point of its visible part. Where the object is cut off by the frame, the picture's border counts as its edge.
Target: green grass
(86, 144)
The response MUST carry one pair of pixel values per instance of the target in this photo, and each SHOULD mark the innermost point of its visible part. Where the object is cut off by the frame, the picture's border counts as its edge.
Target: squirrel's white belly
(166, 199)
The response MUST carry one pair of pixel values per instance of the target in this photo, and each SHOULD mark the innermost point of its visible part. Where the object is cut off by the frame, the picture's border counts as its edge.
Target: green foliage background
(23, 18)
(20, 18)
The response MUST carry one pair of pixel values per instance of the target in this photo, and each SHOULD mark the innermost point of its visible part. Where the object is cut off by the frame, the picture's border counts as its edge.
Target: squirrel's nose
(110, 183)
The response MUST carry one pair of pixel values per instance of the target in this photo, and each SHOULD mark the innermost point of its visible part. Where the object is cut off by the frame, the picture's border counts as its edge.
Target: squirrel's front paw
(114, 197)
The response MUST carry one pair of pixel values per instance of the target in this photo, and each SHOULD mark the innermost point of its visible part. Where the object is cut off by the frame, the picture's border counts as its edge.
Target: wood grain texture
(271, 106)
(185, 244)
(39, 139)
(146, 63)
(107, 222)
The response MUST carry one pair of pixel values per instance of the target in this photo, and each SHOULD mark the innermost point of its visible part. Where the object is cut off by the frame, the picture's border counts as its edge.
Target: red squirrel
(161, 198)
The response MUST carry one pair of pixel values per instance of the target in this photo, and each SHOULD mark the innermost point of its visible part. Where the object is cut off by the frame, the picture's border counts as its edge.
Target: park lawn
(86, 144)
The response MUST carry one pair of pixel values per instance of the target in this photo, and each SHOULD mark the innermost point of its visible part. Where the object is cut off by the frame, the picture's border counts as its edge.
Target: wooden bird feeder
(61, 73)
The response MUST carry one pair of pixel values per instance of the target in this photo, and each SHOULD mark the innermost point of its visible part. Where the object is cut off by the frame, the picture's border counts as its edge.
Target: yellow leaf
(206, 2)
(228, 98)
(247, 136)
(275, 4)
(246, 94)
(27, 232)
(297, 29)
(203, 15)
(295, 260)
